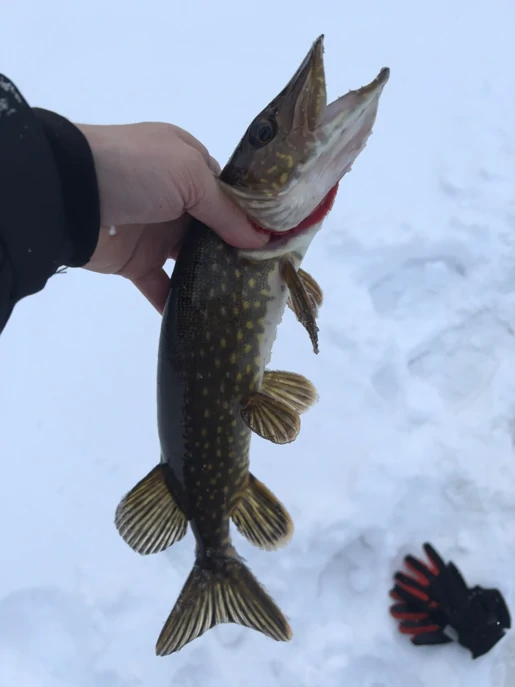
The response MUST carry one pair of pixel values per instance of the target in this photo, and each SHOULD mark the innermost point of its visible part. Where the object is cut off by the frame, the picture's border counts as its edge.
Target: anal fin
(261, 518)
(301, 302)
(292, 388)
(271, 419)
(148, 518)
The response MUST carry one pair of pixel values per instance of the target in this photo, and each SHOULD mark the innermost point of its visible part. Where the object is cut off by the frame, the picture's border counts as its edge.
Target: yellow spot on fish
(223, 342)
(209, 466)
(206, 445)
(223, 311)
(257, 304)
(252, 282)
(218, 453)
(206, 412)
(215, 267)
(290, 162)
(233, 423)
(205, 391)
(203, 431)
(239, 377)
(261, 321)
(230, 440)
(237, 274)
(223, 287)
(263, 180)
(271, 169)
(202, 353)
(247, 348)
(239, 335)
(265, 292)
(219, 429)
(248, 369)
(233, 358)
(257, 360)
(284, 177)
(246, 305)
(230, 471)
(217, 363)
(211, 293)
(249, 324)
(235, 311)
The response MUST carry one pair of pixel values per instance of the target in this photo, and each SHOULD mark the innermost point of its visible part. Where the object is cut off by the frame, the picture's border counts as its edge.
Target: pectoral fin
(292, 388)
(302, 303)
(272, 419)
(313, 289)
(261, 517)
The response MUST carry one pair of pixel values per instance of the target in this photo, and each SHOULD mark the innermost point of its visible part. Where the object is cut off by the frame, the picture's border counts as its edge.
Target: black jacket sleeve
(49, 200)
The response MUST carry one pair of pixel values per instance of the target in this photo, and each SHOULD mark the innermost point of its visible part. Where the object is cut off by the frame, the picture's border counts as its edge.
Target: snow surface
(413, 437)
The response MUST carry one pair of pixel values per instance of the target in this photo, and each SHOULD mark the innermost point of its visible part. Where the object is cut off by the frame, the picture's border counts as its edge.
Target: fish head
(285, 171)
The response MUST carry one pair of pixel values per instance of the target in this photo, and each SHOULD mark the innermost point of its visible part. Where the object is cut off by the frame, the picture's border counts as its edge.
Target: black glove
(436, 600)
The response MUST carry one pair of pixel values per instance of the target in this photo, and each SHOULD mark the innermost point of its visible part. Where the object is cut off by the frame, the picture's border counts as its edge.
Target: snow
(413, 437)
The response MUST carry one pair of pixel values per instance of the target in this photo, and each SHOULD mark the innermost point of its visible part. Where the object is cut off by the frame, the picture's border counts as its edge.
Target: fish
(214, 388)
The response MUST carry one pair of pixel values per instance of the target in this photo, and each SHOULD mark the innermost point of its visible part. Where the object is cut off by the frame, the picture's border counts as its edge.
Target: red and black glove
(435, 598)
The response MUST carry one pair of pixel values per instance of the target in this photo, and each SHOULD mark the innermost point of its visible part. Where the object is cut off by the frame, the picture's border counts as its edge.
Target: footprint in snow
(350, 572)
(462, 361)
(409, 286)
(50, 632)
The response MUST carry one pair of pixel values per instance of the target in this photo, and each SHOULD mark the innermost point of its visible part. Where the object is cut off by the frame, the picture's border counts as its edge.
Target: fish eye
(262, 132)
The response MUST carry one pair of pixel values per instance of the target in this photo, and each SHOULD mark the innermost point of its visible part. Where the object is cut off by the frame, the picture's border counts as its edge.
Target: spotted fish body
(219, 325)
(218, 328)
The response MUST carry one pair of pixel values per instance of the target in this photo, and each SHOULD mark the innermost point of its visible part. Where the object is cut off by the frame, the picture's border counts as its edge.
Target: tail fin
(221, 590)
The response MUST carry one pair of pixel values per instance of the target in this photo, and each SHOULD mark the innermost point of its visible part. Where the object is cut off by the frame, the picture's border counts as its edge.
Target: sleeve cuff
(76, 168)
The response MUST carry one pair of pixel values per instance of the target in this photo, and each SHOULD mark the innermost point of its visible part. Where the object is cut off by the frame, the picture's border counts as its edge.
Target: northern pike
(219, 325)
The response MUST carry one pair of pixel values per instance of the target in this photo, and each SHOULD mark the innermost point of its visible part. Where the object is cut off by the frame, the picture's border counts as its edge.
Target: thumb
(219, 212)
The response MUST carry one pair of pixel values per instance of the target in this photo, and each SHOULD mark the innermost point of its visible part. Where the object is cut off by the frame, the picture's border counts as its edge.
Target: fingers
(154, 287)
(214, 166)
(431, 638)
(209, 204)
(437, 564)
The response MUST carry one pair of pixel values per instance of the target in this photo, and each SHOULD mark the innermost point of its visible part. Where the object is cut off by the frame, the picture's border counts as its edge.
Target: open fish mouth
(284, 183)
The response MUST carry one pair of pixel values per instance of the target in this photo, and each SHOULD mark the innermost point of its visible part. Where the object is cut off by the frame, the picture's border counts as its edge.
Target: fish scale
(219, 325)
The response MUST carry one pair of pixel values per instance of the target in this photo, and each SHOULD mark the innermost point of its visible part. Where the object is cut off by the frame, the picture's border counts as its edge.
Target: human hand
(151, 176)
